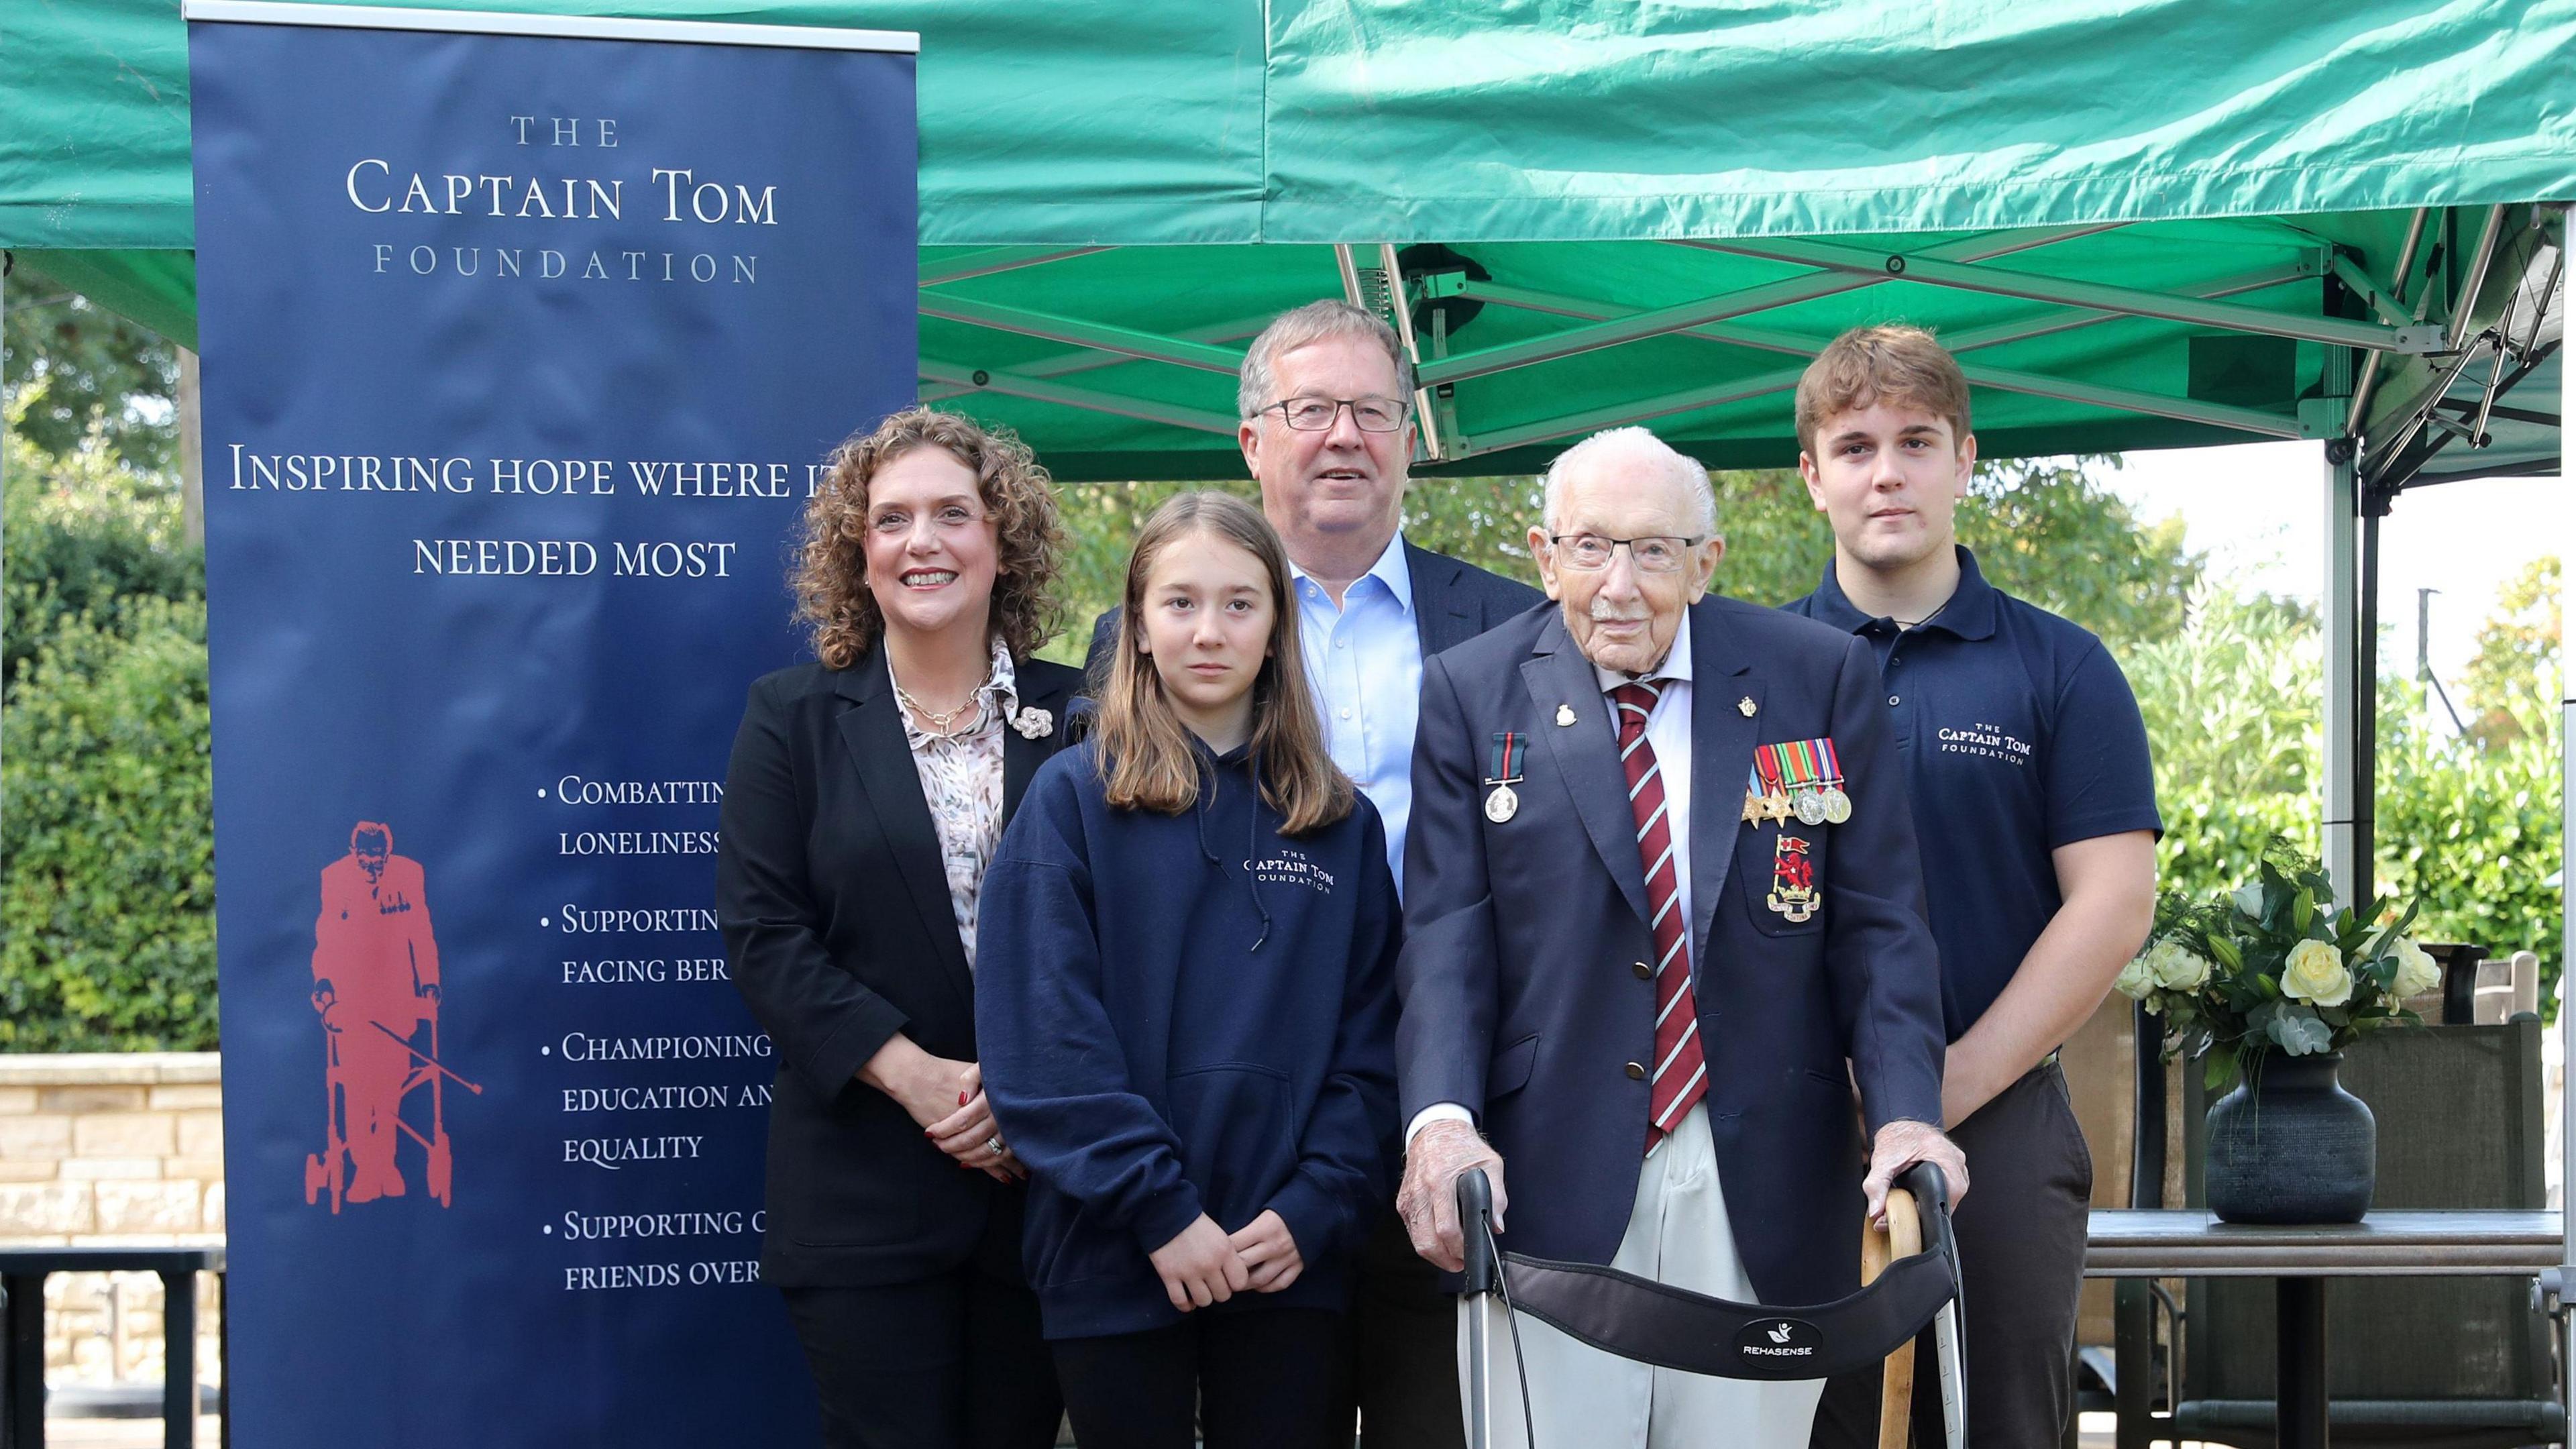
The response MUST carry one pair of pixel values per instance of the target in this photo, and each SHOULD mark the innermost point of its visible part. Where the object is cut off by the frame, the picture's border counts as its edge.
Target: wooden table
(2190, 1243)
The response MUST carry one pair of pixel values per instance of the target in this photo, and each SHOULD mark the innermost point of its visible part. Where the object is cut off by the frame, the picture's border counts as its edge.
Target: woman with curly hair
(867, 792)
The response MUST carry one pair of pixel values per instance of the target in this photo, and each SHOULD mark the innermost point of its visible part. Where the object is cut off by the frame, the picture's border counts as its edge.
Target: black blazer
(837, 922)
(1453, 602)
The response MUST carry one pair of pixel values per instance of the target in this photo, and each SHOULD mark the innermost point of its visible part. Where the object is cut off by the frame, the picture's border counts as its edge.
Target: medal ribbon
(1509, 748)
(1797, 765)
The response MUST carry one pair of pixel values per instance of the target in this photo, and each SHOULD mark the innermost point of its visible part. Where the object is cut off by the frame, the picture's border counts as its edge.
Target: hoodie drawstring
(1251, 843)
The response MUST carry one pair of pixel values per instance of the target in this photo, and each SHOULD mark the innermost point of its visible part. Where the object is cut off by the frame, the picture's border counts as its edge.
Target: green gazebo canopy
(2142, 224)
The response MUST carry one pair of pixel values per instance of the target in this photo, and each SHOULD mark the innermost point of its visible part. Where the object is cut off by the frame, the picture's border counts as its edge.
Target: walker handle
(1475, 1226)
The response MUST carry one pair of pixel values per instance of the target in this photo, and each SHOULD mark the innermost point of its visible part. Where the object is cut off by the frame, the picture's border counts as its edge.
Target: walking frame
(1909, 1279)
(331, 1167)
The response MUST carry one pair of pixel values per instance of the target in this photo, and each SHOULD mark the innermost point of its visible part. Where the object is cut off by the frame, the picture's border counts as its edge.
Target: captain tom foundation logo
(376, 989)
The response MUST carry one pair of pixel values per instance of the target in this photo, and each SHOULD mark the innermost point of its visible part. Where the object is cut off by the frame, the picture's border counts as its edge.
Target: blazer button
(1643, 970)
(1636, 1071)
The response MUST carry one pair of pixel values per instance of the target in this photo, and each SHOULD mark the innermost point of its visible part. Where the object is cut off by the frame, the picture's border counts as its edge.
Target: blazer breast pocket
(1781, 872)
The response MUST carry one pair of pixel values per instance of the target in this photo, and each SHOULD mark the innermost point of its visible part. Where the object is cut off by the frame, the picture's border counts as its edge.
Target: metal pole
(8, 263)
(2362, 390)
(2567, 851)
(2342, 614)
(192, 454)
(2365, 709)
(2457, 331)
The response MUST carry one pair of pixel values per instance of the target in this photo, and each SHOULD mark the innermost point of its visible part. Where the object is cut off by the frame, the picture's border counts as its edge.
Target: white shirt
(1364, 659)
(1668, 734)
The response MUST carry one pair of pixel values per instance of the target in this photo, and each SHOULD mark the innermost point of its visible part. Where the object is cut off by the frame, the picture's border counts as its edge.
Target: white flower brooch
(1033, 724)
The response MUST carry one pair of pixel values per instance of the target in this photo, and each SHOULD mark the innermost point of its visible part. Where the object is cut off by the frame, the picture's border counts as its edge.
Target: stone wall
(112, 1149)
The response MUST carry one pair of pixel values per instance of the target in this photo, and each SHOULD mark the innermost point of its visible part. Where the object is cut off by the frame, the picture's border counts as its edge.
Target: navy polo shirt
(2019, 735)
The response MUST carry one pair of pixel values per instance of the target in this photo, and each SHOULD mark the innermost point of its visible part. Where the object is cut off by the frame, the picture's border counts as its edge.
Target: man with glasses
(1326, 403)
(1662, 911)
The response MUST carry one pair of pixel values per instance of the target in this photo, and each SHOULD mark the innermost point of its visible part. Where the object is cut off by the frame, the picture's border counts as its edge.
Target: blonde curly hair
(830, 576)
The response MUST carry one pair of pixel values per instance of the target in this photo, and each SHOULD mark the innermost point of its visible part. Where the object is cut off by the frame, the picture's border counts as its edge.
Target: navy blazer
(837, 921)
(1525, 991)
(1453, 602)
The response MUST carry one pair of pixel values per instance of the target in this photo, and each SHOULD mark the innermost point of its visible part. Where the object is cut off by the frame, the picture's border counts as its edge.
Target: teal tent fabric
(1114, 196)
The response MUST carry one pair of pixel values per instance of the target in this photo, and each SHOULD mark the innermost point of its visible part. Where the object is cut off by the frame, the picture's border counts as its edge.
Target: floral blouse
(961, 780)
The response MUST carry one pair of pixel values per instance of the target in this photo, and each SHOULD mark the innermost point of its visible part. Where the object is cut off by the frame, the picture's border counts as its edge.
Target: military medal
(1809, 774)
(1793, 879)
(1510, 748)
(1764, 802)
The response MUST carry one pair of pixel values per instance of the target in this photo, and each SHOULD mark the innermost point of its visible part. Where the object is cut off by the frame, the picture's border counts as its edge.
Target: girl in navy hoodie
(1185, 1002)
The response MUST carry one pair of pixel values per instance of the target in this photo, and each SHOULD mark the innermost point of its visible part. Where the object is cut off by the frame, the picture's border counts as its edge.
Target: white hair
(1642, 446)
(1309, 324)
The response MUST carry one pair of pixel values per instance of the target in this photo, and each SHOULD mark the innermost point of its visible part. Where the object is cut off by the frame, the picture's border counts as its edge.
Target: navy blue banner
(521, 355)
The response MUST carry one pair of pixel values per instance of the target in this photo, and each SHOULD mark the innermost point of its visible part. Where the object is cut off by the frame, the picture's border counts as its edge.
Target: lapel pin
(1564, 715)
(1746, 706)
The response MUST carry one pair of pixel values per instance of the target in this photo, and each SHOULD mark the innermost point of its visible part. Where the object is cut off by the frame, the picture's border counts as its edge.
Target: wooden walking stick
(1903, 1238)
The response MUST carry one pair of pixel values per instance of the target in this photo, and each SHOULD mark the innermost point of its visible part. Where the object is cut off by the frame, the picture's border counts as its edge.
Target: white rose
(2417, 971)
(2136, 979)
(2314, 974)
(2176, 966)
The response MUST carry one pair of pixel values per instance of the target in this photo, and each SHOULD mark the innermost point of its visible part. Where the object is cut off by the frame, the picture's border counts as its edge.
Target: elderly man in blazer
(1662, 912)
(1328, 429)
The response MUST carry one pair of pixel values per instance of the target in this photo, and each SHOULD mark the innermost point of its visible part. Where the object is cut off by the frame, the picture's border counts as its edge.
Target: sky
(2258, 511)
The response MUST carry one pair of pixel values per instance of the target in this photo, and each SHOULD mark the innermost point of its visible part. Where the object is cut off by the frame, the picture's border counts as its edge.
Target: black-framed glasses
(1653, 554)
(1315, 414)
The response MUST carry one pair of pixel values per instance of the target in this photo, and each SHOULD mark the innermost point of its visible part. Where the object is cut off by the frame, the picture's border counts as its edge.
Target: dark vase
(2290, 1145)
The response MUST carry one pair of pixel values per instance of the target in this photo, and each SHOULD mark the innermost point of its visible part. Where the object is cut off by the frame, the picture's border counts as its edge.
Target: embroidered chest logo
(1986, 740)
(1291, 866)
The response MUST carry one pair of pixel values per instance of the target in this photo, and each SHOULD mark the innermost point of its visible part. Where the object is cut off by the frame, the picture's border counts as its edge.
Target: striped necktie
(1681, 1074)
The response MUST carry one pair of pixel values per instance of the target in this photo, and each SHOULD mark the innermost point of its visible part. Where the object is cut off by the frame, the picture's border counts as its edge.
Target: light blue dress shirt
(1364, 660)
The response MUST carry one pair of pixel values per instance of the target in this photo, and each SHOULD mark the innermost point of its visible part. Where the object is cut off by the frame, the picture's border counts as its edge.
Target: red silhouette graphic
(375, 983)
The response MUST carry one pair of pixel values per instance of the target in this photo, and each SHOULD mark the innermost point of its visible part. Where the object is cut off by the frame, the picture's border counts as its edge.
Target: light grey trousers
(1583, 1398)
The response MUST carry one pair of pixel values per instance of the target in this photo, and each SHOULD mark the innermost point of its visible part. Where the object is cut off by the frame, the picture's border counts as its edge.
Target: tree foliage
(92, 368)
(2048, 530)
(86, 534)
(106, 846)
(2517, 658)
(2468, 827)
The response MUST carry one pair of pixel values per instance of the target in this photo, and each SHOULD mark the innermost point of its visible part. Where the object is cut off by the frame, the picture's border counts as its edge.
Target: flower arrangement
(2273, 966)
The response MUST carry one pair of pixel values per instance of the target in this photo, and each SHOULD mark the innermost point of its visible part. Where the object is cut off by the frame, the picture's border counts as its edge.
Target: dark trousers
(1404, 1346)
(951, 1362)
(2021, 1250)
(1259, 1378)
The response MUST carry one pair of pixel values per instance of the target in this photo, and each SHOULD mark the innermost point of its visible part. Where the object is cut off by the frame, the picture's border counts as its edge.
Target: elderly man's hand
(1441, 1154)
(1900, 1145)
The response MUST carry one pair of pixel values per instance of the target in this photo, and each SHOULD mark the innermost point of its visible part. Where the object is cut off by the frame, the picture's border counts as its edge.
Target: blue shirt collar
(1389, 570)
(1970, 614)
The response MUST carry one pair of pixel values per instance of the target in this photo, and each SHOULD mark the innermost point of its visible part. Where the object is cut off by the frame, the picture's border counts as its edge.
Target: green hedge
(2233, 721)
(107, 938)
(108, 900)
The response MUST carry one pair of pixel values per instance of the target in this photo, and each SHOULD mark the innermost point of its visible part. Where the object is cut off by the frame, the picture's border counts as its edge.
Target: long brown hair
(831, 574)
(1146, 755)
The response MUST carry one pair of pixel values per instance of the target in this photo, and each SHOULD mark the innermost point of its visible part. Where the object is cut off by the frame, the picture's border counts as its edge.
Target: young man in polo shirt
(2026, 763)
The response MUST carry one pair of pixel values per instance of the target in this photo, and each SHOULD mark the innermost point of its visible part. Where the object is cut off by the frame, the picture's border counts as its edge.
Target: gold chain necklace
(937, 725)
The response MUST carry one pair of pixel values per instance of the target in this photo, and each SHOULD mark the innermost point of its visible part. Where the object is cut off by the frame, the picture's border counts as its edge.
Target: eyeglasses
(1315, 414)
(1590, 552)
